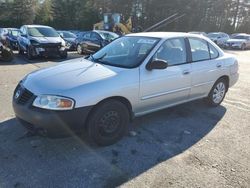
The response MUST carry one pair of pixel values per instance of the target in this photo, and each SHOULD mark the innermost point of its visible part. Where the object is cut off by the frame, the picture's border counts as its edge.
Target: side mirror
(157, 64)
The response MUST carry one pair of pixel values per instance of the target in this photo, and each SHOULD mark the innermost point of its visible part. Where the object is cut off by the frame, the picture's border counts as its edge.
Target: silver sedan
(134, 75)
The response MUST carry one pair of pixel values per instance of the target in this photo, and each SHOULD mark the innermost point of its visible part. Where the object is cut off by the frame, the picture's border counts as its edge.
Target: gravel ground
(186, 146)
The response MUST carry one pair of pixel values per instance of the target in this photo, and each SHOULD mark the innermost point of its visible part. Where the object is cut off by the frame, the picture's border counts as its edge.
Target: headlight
(53, 102)
(68, 44)
(63, 43)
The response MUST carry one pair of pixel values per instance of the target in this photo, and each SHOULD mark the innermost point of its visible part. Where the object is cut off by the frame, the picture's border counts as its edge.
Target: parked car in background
(240, 41)
(198, 33)
(134, 75)
(79, 37)
(6, 54)
(70, 39)
(39, 40)
(93, 41)
(76, 32)
(4, 32)
(218, 37)
(235, 34)
(11, 38)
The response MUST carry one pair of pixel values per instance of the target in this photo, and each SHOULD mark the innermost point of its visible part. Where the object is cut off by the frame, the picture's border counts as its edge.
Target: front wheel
(20, 51)
(108, 122)
(79, 49)
(30, 55)
(217, 93)
(243, 47)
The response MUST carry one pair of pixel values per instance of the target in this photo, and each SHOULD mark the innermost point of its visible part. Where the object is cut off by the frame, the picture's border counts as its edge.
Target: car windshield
(42, 32)
(242, 37)
(67, 35)
(127, 52)
(108, 36)
(14, 33)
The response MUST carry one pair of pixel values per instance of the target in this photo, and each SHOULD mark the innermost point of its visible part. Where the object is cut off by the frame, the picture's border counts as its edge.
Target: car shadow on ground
(71, 162)
(22, 59)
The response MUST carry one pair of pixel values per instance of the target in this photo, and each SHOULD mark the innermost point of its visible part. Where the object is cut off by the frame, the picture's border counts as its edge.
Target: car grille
(22, 95)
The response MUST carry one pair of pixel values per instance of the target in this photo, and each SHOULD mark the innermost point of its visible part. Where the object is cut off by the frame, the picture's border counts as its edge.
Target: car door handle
(218, 65)
(186, 72)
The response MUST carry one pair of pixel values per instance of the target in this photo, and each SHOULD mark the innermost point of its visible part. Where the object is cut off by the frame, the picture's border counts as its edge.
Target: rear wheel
(30, 53)
(217, 93)
(108, 122)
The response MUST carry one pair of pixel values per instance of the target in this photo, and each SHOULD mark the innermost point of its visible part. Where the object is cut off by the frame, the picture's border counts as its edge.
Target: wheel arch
(226, 79)
(121, 99)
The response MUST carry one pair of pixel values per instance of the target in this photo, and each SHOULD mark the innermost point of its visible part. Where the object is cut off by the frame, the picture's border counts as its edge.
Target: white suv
(134, 75)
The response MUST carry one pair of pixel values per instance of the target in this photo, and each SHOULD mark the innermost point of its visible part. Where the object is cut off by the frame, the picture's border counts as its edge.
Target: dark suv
(38, 40)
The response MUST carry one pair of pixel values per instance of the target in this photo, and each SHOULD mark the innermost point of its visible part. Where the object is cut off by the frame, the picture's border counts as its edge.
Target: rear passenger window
(199, 49)
(213, 52)
(173, 51)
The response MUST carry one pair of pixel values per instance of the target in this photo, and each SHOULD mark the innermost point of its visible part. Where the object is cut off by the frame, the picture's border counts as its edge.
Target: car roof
(102, 31)
(243, 34)
(165, 35)
(44, 26)
(217, 33)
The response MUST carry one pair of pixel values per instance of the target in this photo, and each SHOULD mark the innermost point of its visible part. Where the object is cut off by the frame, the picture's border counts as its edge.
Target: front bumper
(48, 50)
(56, 123)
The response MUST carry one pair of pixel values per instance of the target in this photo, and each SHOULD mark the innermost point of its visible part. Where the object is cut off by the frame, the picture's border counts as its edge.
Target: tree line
(200, 15)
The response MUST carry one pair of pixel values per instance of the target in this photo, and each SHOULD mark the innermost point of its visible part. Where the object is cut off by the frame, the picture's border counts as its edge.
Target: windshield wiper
(99, 59)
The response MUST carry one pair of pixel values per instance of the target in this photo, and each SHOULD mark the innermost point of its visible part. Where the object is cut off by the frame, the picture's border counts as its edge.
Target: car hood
(236, 40)
(74, 73)
(48, 39)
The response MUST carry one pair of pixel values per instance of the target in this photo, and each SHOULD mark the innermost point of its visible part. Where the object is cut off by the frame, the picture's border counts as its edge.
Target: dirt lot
(186, 146)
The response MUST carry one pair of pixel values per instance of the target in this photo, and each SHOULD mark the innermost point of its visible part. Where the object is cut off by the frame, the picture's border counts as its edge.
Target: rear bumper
(56, 123)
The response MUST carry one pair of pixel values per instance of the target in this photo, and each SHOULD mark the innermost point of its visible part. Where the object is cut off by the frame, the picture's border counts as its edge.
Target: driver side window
(173, 51)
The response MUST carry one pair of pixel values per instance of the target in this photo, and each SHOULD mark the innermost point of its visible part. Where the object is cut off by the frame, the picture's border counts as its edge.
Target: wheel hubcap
(109, 123)
(219, 92)
(79, 49)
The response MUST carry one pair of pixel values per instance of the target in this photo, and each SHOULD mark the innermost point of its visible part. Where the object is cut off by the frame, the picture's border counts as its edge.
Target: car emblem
(17, 94)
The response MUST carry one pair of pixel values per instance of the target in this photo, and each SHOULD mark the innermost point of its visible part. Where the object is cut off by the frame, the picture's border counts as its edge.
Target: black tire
(243, 47)
(7, 55)
(216, 101)
(29, 53)
(79, 49)
(108, 123)
(20, 51)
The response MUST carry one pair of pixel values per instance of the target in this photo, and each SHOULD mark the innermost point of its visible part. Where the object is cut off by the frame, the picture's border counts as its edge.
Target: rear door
(206, 67)
(162, 88)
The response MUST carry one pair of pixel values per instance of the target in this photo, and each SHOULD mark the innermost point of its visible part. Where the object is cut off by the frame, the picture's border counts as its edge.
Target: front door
(170, 86)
